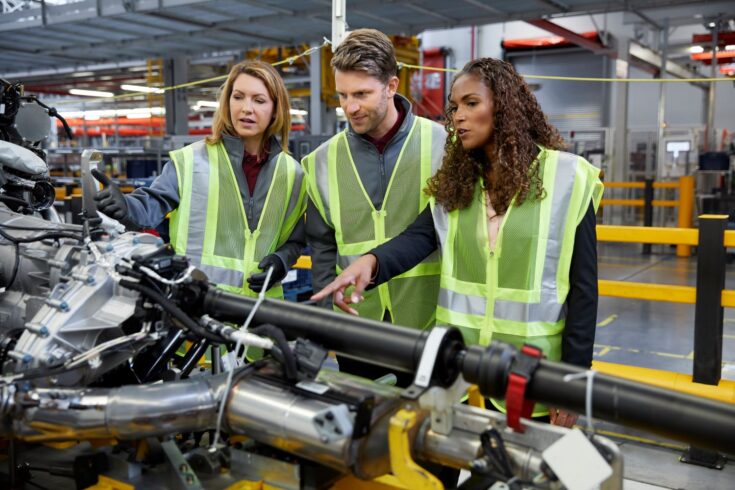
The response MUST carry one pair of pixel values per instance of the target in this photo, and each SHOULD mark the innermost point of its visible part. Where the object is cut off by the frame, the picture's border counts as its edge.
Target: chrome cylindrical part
(286, 420)
(159, 409)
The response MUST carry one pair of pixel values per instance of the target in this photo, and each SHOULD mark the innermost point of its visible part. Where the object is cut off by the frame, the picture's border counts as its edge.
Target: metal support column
(661, 126)
(618, 114)
(711, 133)
(339, 22)
(176, 72)
(316, 107)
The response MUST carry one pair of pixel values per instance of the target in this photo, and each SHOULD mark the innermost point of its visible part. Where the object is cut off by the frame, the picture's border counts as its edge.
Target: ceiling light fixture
(90, 93)
(140, 88)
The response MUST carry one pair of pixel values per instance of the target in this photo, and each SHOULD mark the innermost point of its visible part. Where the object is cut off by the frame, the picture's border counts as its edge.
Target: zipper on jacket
(382, 175)
(250, 210)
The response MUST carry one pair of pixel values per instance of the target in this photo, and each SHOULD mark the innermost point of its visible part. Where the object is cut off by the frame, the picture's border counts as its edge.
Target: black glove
(110, 200)
(255, 281)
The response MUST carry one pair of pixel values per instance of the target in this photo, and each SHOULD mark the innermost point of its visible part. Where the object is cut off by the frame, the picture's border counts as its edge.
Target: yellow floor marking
(668, 354)
(607, 321)
(604, 351)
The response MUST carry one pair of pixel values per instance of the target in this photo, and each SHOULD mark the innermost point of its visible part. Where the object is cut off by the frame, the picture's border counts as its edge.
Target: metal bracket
(426, 365)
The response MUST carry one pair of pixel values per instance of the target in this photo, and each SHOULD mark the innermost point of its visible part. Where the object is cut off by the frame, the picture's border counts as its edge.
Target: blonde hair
(281, 123)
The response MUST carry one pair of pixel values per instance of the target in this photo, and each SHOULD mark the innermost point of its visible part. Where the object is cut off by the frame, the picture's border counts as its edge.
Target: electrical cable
(261, 297)
(45, 236)
(288, 361)
(13, 200)
(70, 229)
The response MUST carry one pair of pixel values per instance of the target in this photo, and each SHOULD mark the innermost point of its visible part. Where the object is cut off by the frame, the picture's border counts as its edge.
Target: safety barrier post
(647, 211)
(708, 319)
(708, 312)
(686, 214)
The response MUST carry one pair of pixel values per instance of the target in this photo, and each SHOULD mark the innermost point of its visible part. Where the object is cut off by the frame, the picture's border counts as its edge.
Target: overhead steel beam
(646, 18)
(55, 71)
(571, 36)
(430, 13)
(650, 57)
(560, 6)
(484, 6)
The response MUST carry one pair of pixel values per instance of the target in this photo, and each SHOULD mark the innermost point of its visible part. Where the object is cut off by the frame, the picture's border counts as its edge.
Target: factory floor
(657, 335)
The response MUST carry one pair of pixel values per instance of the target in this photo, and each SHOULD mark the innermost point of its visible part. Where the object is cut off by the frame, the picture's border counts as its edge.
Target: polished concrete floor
(658, 335)
(654, 334)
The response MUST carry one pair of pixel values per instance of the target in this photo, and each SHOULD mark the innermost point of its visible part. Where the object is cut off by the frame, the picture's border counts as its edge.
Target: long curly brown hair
(519, 126)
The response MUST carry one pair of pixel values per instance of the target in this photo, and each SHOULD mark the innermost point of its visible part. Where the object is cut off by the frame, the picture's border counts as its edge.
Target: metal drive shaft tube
(378, 342)
(697, 421)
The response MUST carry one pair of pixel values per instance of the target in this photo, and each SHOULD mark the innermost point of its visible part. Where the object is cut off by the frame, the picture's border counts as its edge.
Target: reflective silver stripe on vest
(297, 183)
(549, 309)
(321, 170)
(221, 276)
(462, 303)
(344, 261)
(198, 209)
(438, 139)
(441, 224)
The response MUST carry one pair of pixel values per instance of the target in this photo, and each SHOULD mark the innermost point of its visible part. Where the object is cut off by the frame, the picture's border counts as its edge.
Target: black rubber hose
(275, 333)
(172, 309)
(46, 236)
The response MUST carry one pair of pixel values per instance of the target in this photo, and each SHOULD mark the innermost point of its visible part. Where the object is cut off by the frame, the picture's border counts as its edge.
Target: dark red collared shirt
(252, 164)
(382, 142)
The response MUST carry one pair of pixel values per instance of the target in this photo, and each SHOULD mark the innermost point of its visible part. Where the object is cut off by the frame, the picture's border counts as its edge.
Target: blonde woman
(236, 198)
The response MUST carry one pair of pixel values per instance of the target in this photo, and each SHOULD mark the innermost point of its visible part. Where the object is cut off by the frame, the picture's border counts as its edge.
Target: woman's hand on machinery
(359, 275)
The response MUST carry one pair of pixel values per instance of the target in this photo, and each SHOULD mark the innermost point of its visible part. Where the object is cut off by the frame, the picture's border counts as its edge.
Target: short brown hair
(281, 123)
(369, 51)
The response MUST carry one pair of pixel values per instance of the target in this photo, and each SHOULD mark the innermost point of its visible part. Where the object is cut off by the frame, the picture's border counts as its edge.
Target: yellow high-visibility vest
(339, 195)
(516, 292)
(210, 225)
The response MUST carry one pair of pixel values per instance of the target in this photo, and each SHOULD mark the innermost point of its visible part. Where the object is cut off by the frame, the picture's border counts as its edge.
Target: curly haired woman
(514, 218)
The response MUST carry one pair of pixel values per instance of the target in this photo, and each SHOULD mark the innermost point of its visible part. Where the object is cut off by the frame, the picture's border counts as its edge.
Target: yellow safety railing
(685, 203)
(656, 235)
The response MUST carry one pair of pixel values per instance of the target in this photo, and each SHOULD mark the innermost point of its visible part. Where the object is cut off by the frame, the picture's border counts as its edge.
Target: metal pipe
(700, 422)
(711, 97)
(703, 423)
(660, 147)
(378, 342)
(129, 412)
